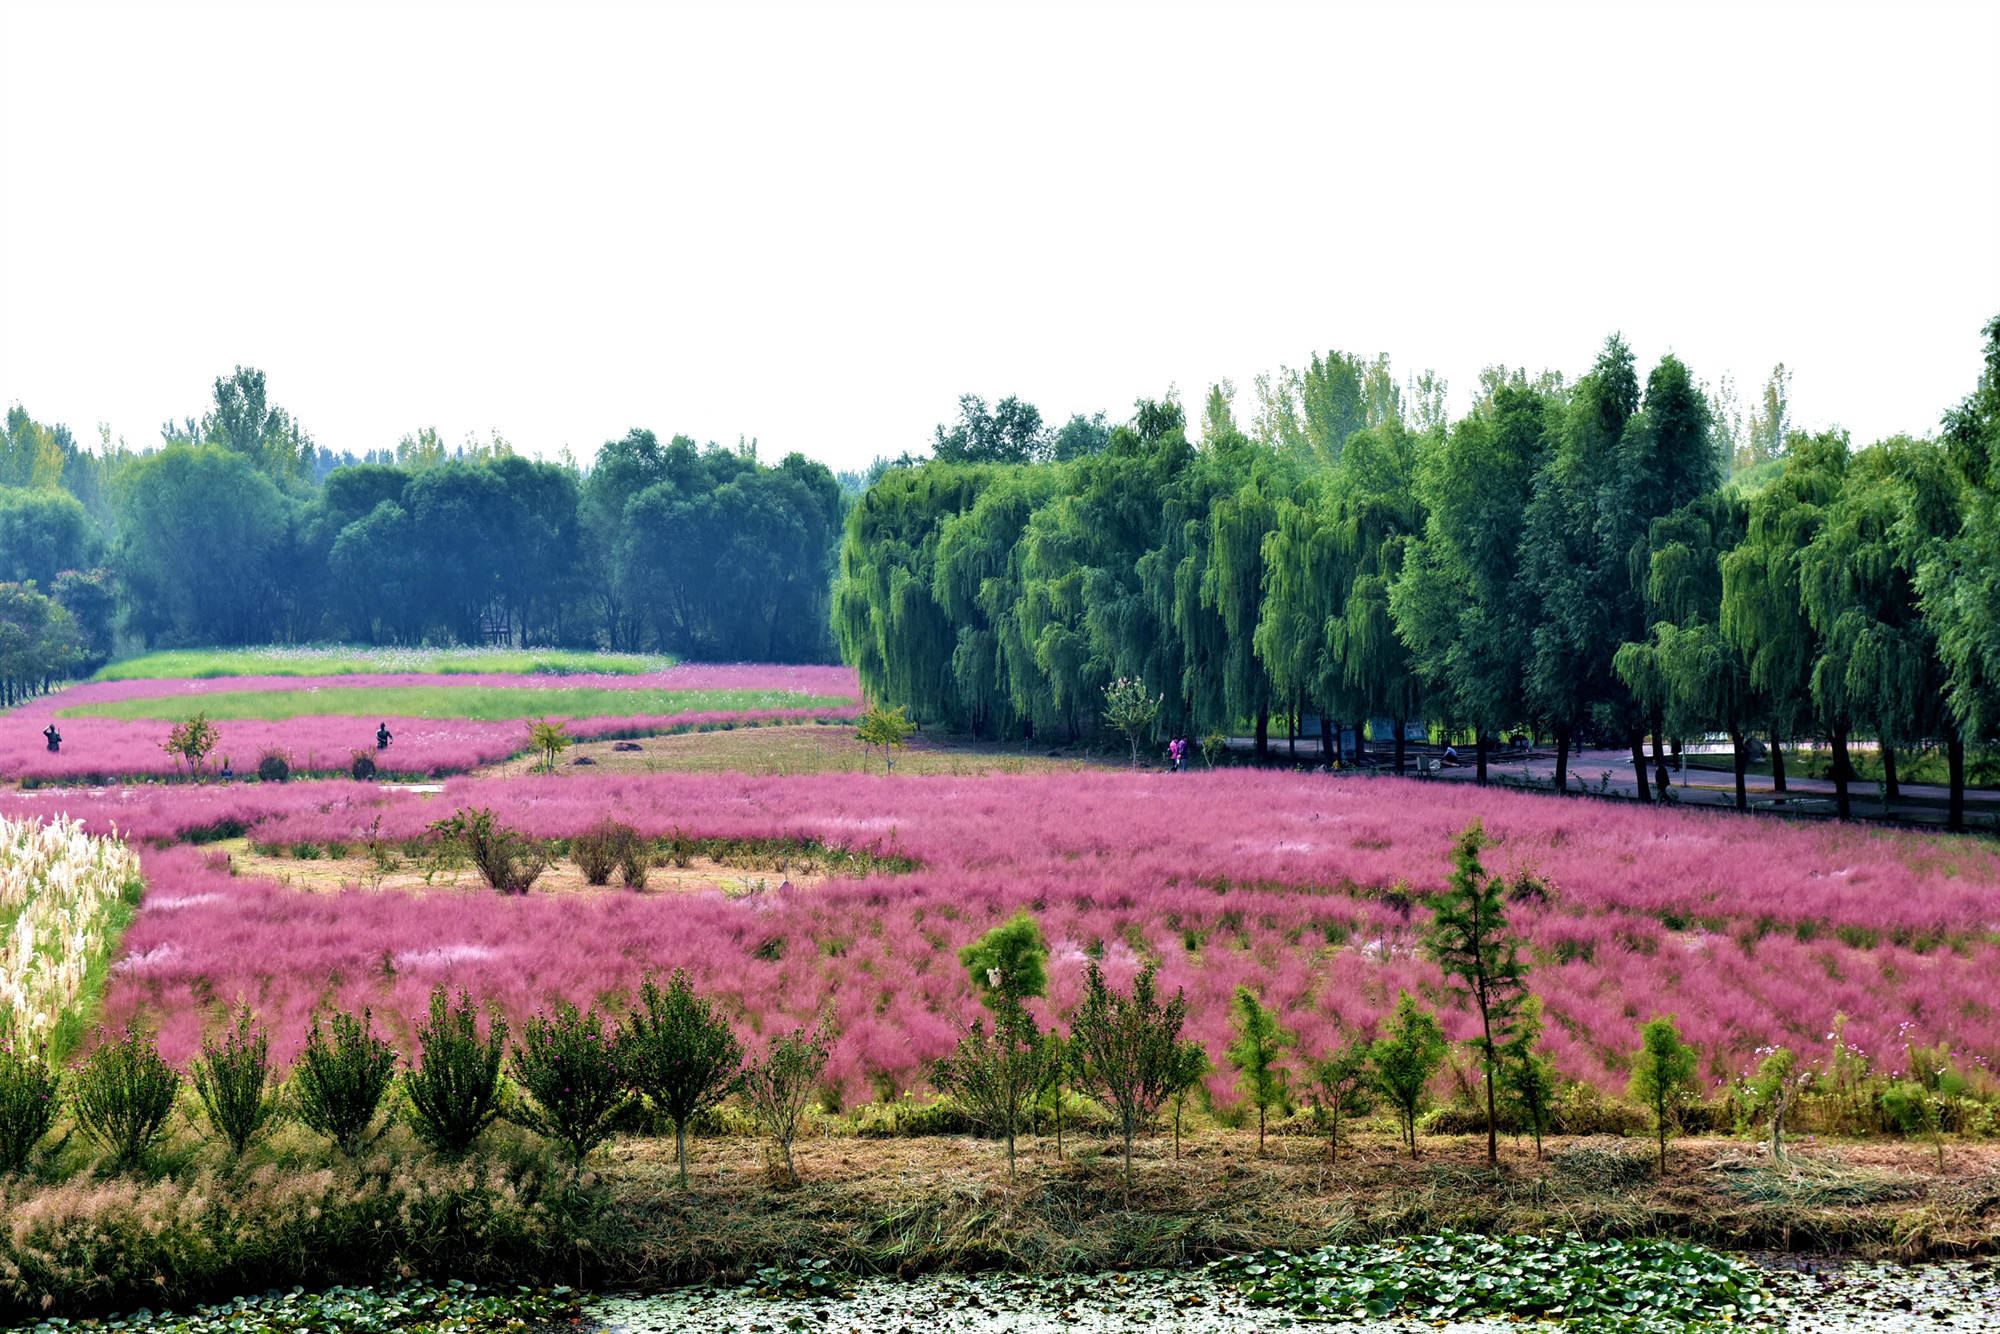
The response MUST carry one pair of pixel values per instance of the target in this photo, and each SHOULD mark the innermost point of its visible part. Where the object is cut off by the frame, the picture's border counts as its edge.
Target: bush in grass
(454, 1090)
(634, 863)
(679, 1053)
(273, 767)
(1342, 1081)
(573, 1073)
(997, 1076)
(780, 1087)
(123, 1095)
(361, 766)
(340, 1080)
(30, 1097)
(507, 859)
(233, 1080)
(602, 848)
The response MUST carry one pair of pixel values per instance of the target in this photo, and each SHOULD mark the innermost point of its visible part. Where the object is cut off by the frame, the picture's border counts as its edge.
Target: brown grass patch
(803, 748)
(327, 875)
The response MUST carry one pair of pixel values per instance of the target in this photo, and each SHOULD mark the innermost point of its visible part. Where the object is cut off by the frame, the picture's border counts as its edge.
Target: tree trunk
(1660, 779)
(1329, 744)
(1260, 1130)
(1292, 735)
(1955, 762)
(1263, 735)
(1841, 772)
(1360, 740)
(1742, 762)
(1400, 729)
(1492, 1113)
(681, 1145)
(1562, 759)
(1480, 748)
(1638, 740)
(1777, 763)
(1889, 788)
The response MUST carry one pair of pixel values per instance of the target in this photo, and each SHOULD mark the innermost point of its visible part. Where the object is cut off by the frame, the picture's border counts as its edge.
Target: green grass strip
(475, 703)
(351, 659)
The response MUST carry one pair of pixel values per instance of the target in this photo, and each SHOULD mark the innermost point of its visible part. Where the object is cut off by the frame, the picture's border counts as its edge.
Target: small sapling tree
(885, 727)
(680, 1053)
(30, 1097)
(1407, 1056)
(454, 1089)
(340, 1080)
(1469, 941)
(602, 848)
(1260, 1040)
(1191, 1066)
(1129, 709)
(1126, 1049)
(780, 1087)
(1663, 1071)
(1775, 1089)
(996, 1075)
(572, 1071)
(548, 740)
(190, 741)
(123, 1094)
(1342, 1080)
(232, 1079)
(1527, 1075)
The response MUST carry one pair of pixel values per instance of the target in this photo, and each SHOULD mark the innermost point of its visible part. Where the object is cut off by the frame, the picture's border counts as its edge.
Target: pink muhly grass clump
(1309, 890)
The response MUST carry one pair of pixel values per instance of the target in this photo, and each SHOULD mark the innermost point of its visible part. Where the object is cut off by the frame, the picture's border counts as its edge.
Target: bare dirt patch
(801, 748)
(327, 875)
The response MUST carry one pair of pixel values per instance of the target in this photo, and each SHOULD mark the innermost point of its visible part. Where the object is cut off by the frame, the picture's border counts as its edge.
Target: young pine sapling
(1407, 1055)
(1469, 941)
(1254, 1055)
(1663, 1071)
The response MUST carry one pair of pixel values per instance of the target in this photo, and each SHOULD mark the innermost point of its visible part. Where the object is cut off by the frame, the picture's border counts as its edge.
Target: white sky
(818, 226)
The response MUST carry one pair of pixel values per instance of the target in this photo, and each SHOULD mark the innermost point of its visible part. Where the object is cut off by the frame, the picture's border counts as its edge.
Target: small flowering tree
(1780, 1081)
(190, 741)
(887, 728)
(1129, 709)
(570, 1068)
(548, 739)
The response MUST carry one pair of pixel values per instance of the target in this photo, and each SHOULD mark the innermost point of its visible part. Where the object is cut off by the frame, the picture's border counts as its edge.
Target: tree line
(233, 532)
(1600, 560)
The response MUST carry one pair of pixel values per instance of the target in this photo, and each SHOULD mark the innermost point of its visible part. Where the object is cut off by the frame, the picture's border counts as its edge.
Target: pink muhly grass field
(106, 747)
(1752, 932)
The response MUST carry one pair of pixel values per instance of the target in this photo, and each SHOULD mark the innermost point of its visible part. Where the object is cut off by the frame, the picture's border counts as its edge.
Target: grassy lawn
(477, 703)
(350, 659)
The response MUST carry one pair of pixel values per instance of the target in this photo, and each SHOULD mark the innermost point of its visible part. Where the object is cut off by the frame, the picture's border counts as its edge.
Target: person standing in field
(382, 737)
(54, 738)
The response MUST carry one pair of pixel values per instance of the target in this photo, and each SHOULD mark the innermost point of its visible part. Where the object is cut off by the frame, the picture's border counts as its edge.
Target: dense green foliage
(123, 1094)
(239, 530)
(1568, 560)
(234, 1081)
(1639, 1286)
(454, 1090)
(341, 1077)
(680, 1053)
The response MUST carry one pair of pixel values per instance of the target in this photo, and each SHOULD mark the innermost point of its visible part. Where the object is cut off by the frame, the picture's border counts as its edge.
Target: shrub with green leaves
(602, 848)
(573, 1073)
(997, 1074)
(30, 1097)
(340, 1080)
(123, 1093)
(680, 1053)
(779, 1088)
(1342, 1081)
(233, 1080)
(454, 1089)
(507, 859)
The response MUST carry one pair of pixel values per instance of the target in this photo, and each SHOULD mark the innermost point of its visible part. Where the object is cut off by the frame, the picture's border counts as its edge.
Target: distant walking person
(382, 737)
(54, 738)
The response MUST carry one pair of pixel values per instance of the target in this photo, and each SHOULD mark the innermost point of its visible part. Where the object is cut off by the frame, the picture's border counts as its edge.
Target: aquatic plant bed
(406, 1308)
(1844, 1299)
